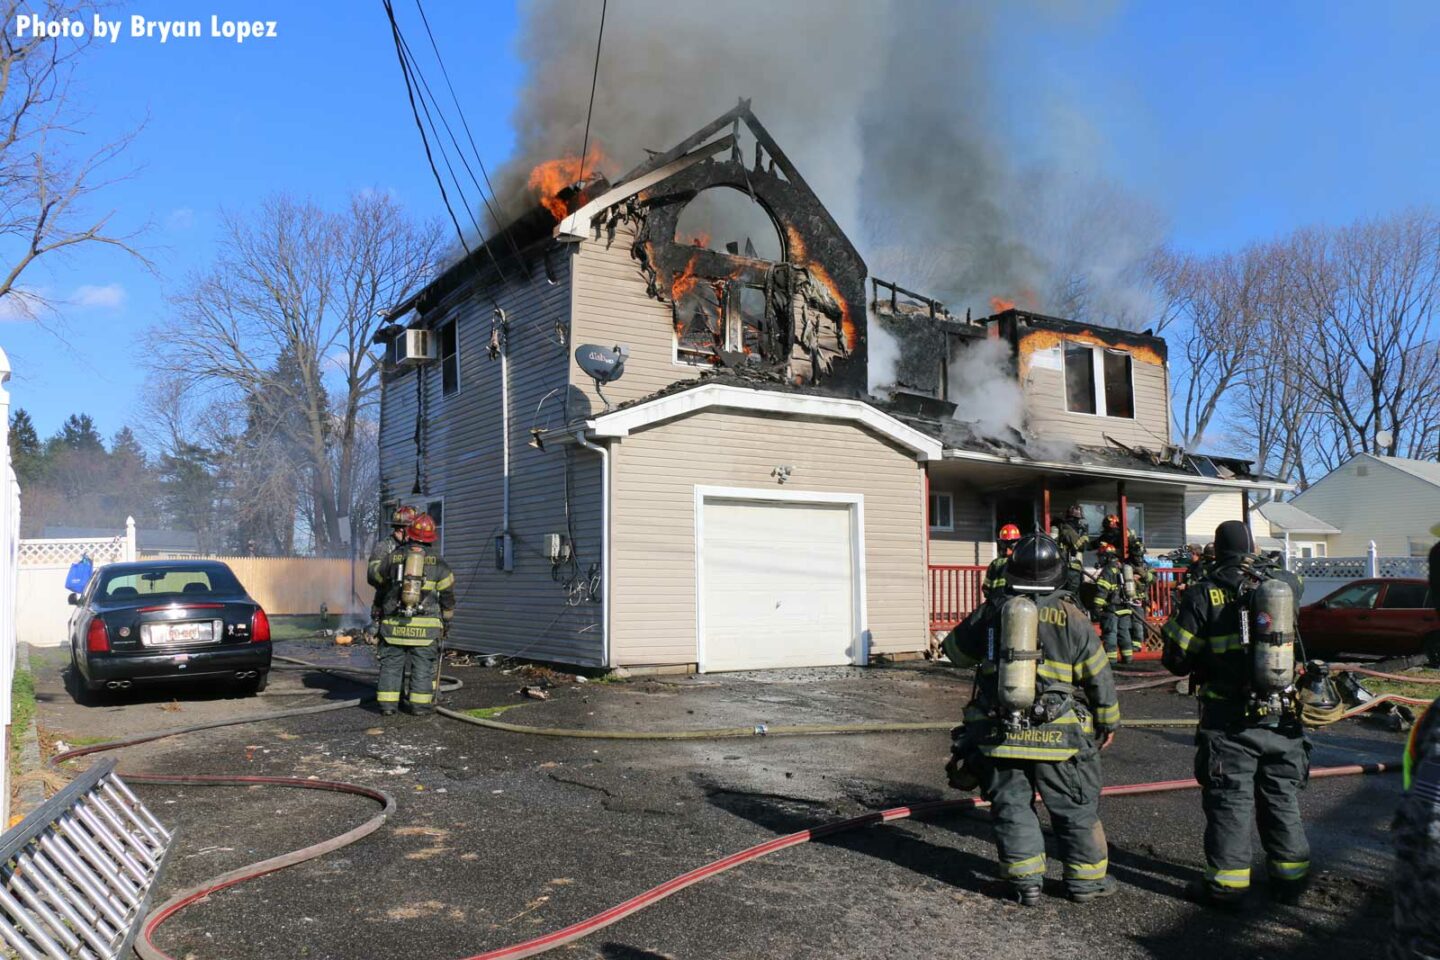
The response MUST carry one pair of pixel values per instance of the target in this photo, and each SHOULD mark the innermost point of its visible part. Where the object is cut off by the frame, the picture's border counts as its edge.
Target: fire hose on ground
(147, 949)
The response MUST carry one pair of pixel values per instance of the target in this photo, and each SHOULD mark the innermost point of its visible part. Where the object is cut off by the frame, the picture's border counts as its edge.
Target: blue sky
(1237, 121)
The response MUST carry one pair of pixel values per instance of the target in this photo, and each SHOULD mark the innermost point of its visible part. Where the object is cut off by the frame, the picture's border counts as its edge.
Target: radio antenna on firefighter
(603, 364)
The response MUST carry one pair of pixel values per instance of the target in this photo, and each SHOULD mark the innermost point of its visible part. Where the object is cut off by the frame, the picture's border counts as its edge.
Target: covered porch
(971, 495)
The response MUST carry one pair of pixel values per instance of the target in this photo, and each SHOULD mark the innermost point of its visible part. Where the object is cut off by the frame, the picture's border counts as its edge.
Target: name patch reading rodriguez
(142, 27)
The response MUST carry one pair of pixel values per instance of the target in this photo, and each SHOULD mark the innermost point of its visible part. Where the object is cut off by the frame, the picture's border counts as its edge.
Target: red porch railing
(955, 591)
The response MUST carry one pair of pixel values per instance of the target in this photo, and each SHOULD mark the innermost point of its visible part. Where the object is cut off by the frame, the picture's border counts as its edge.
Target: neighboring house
(1296, 531)
(737, 498)
(1389, 500)
(150, 542)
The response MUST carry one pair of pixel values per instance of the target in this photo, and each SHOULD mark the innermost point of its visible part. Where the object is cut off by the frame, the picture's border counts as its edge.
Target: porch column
(1124, 521)
(1045, 505)
(1245, 512)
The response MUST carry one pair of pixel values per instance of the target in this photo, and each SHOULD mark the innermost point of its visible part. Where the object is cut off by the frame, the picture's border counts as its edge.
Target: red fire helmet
(421, 529)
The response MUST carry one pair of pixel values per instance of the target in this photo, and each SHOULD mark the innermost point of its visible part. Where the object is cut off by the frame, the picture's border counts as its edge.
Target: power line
(499, 224)
(594, 78)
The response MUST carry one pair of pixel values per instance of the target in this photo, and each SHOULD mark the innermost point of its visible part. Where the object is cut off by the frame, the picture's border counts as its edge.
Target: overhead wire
(594, 82)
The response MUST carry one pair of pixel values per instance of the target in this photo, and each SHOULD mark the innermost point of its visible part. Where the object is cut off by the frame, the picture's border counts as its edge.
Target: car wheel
(256, 685)
(80, 690)
(1432, 650)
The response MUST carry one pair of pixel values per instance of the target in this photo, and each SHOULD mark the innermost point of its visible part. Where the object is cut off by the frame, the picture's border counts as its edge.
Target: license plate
(162, 634)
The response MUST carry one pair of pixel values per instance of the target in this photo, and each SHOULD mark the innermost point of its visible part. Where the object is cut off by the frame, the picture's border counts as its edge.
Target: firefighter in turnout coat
(1019, 739)
(1111, 607)
(400, 520)
(1253, 756)
(1074, 539)
(995, 572)
(1142, 576)
(417, 604)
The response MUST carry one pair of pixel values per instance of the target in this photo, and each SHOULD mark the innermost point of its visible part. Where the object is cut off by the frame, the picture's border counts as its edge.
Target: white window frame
(453, 323)
(1106, 509)
(938, 497)
(1097, 379)
(859, 616)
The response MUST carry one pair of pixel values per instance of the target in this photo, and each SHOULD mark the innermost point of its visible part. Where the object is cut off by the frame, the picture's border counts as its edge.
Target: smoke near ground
(892, 111)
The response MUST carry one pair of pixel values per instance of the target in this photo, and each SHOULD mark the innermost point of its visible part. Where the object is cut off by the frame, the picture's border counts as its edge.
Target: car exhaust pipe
(117, 685)
(245, 674)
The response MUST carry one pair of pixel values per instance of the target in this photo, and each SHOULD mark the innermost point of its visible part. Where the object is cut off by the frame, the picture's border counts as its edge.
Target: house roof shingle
(1289, 517)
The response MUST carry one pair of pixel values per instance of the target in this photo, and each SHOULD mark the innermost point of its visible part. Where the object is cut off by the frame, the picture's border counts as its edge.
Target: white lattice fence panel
(57, 553)
(1404, 567)
(1342, 568)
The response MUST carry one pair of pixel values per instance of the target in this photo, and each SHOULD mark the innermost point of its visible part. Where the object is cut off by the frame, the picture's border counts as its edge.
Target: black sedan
(166, 620)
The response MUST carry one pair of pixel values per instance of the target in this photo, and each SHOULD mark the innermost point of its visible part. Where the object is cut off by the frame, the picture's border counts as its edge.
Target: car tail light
(97, 638)
(259, 627)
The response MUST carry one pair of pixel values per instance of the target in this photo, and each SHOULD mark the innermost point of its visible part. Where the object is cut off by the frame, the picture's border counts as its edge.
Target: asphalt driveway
(499, 837)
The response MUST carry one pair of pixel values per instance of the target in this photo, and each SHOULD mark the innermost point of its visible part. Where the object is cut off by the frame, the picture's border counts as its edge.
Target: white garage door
(777, 585)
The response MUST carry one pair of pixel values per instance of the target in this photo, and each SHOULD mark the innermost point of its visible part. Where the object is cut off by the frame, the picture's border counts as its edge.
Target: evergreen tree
(78, 433)
(26, 451)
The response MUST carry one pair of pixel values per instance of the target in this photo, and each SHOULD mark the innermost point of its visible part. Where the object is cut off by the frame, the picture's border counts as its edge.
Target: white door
(777, 585)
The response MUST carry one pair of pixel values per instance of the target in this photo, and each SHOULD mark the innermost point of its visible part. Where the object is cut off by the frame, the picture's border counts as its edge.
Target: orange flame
(1025, 298)
(1000, 304)
(553, 177)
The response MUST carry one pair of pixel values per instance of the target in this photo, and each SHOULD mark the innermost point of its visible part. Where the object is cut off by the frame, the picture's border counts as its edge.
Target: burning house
(641, 414)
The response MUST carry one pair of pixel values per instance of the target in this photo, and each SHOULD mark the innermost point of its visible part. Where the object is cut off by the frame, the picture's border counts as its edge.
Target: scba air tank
(1019, 653)
(413, 577)
(1272, 637)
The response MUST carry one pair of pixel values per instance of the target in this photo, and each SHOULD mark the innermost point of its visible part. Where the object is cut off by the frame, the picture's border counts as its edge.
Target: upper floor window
(711, 316)
(1099, 381)
(449, 358)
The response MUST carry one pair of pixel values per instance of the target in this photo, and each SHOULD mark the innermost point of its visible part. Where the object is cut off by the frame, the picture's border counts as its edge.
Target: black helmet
(1036, 566)
(1075, 512)
(1232, 539)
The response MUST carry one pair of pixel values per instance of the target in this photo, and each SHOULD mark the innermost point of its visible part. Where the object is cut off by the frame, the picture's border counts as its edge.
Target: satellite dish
(1384, 438)
(603, 364)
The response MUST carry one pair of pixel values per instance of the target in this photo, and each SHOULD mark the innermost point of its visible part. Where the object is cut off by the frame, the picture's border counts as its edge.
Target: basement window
(1099, 382)
(449, 359)
(942, 513)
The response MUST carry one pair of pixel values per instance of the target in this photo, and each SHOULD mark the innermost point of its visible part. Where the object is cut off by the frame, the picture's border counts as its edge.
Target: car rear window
(168, 583)
(1405, 596)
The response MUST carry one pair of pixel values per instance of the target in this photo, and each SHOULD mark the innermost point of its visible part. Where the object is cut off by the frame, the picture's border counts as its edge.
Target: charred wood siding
(1042, 374)
(524, 611)
(611, 306)
(656, 472)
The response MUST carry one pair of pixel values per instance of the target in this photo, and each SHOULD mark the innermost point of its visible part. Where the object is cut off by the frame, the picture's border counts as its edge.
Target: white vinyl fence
(9, 567)
(42, 614)
(1324, 575)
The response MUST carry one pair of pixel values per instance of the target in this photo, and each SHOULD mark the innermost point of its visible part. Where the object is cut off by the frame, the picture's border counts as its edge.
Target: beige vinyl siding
(1048, 419)
(971, 542)
(612, 308)
(656, 471)
(1208, 512)
(1384, 504)
(524, 611)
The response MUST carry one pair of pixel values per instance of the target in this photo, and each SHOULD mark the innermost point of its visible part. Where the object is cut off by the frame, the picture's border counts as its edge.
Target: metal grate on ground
(79, 871)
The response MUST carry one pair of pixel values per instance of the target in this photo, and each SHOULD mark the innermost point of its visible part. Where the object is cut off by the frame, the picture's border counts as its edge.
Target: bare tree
(284, 320)
(1367, 297)
(45, 180)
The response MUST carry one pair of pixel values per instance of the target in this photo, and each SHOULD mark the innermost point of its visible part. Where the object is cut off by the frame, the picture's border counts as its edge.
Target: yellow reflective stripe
(1225, 643)
(1008, 752)
(1113, 656)
(1055, 670)
(1090, 668)
(1105, 583)
(1289, 870)
(1101, 601)
(388, 696)
(421, 697)
(1025, 868)
(1178, 635)
(1234, 879)
(413, 622)
(1109, 716)
(1087, 871)
(445, 582)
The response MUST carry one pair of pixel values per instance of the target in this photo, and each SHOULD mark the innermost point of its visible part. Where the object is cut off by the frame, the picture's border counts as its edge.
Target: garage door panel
(777, 584)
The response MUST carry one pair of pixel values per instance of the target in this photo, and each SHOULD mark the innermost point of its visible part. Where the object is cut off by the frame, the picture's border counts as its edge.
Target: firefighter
(1111, 607)
(417, 605)
(1191, 573)
(1074, 538)
(1028, 730)
(1142, 577)
(1234, 631)
(995, 572)
(1110, 531)
(400, 519)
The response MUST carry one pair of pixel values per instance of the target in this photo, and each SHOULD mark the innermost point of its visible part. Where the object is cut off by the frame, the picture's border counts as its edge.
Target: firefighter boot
(1108, 888)
(1027, 895)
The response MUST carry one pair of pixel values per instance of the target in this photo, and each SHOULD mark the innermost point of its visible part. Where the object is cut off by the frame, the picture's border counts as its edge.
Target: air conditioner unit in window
(416, 347)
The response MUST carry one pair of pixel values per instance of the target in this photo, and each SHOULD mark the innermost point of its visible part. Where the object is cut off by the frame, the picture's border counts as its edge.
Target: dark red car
(1391, 618)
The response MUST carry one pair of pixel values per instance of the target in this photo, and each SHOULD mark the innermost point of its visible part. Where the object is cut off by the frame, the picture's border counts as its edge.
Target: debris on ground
(545, 676)
(534, 693)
